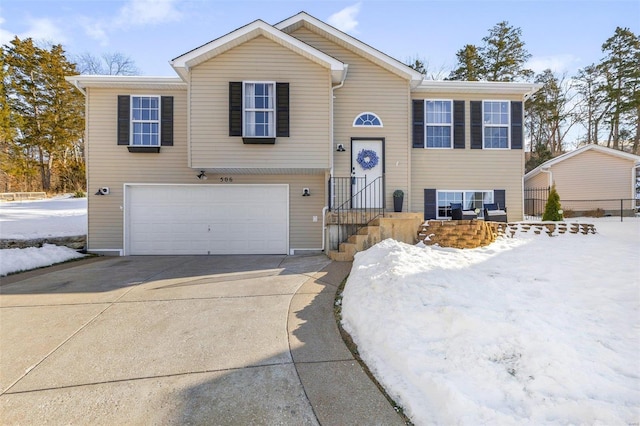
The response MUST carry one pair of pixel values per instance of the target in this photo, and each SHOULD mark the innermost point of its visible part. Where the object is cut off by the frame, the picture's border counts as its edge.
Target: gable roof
(385, 61)
(257, 28)
(570, 154)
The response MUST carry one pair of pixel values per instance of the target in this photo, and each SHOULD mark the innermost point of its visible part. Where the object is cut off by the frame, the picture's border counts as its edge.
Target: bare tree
(423, 66)
(107, 64)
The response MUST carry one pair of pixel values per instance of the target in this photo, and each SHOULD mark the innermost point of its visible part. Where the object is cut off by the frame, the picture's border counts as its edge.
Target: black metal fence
(535, 200)
(353, 203)
(614, 208)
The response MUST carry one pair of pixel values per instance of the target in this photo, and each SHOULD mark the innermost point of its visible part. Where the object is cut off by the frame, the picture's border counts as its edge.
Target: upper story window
(259, 109)
(145, 121)
(438, 123)
(367, 119)
(495, 120)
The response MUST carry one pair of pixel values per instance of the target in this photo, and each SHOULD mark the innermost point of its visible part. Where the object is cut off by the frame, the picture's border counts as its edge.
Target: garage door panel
(207, 219)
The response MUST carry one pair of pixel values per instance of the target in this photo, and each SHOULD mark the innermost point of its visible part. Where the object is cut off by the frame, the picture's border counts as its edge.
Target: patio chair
(493, 213)
(458, 214)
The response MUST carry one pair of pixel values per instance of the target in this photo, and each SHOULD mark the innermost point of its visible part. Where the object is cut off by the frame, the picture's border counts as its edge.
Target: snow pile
(56, 217)
(16, 260)
(545, 330)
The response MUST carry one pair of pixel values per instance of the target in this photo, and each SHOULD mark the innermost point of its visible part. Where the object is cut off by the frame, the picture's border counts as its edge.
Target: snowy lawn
(531, 329)
(55, 217)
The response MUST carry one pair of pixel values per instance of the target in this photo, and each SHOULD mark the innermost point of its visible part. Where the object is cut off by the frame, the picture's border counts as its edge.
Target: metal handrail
(358, 210)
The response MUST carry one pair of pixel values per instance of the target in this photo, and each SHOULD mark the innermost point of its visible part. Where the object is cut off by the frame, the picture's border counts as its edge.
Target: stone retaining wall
(478, 233)
(77, 242)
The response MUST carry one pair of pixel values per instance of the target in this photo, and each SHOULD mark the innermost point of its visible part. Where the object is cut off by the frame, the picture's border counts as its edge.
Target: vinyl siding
(467, 169)
(260, 60)
(368, 88)
(541, 180)
(593, 175)
(111, 165)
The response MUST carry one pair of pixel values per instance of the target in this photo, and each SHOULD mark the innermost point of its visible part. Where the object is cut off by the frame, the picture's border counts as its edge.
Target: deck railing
(354, 203)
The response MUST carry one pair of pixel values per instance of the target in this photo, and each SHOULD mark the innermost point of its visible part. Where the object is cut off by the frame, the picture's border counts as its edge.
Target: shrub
(551, 209)
(398, 193)
(79, 193)
(568, 213)
(595, 213)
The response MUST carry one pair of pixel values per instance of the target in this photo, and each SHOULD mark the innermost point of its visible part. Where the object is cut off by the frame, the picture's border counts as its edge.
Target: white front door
(367, 166)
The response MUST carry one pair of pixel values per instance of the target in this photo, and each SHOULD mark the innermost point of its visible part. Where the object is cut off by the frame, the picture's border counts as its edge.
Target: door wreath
(367, 159)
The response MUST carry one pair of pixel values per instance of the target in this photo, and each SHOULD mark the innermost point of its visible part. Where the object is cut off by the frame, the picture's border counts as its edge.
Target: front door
(367, 168)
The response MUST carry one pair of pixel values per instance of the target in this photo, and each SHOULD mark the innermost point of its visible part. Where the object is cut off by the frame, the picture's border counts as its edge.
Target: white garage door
(206, 219)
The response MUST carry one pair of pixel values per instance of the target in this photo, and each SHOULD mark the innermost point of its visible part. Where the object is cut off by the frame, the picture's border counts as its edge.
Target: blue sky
(564, 35)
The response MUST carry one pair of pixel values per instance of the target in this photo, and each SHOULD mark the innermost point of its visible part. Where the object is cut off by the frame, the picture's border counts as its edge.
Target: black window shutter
(124, 106)
(476, 124)
(430, 204)
(235, 108)
(458, 124)
(166, 121)
(418, 123)
(282, 109)
(516, 125)
(499, 198)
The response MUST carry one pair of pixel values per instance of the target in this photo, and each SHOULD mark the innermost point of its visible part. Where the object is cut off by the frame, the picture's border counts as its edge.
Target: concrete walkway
(181, 340)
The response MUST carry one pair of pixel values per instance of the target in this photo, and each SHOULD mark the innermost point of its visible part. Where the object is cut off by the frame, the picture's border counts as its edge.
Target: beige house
(269, 127)
(589, 178)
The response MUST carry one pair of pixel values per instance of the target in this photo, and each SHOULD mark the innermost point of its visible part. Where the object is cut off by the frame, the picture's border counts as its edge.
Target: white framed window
(258, 105)
(367, 119)
(438, 123)
(495, 124)
(470, 200)
(145, 121)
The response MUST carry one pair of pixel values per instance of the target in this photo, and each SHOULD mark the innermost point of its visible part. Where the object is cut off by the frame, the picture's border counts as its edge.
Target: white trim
(274, 109)
(126, 81)
(359, 47)
(603, 149)
(482, 87)
(183, 63)
(424, 120)
(125, 205)
(508, 125)
(131, 121)
(364, 125)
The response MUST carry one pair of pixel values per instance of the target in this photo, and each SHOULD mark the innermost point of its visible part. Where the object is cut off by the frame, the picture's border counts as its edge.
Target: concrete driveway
(181, 340)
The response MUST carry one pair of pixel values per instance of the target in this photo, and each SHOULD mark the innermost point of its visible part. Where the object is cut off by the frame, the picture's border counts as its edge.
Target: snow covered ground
(531, 329)
(55, 217)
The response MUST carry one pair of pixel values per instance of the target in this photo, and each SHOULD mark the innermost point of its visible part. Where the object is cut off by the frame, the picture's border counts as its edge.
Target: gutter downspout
(331, 132)
(77, 85)
(548, 170)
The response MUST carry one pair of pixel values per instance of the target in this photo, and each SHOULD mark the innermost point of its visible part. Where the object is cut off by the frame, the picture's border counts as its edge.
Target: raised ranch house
(288, 123)
(589, 178)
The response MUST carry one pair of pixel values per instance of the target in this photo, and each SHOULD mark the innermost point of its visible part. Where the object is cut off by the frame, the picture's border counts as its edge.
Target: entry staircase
(354, 215)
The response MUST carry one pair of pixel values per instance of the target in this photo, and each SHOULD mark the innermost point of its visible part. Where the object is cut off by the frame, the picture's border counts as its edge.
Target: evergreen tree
(621, 70)
(46, 111)
(539, 155)
(470, 65)
(504, 55)
(501, 57)
(591, 101)
(552, 208)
